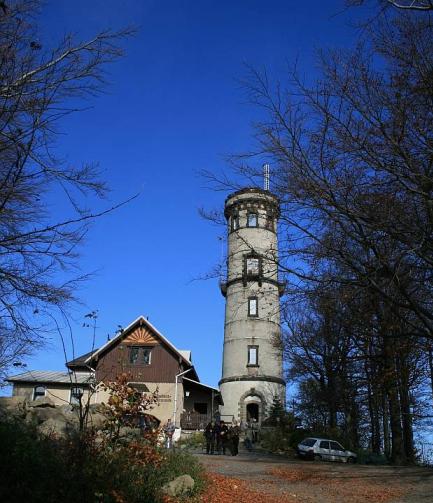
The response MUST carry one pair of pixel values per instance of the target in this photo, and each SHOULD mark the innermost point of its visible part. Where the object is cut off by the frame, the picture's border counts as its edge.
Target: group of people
(222, 438)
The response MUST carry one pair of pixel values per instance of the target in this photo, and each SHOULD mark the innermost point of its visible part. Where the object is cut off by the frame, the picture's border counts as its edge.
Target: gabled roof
(80, 361)
(184, 355)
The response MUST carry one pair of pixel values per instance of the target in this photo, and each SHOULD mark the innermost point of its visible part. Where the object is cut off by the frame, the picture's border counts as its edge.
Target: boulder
(54, 426)
(96, 419)
(39, 415)
(179, 486)
(14, 406)
(42, 402)
(97, 407)
(128, 432)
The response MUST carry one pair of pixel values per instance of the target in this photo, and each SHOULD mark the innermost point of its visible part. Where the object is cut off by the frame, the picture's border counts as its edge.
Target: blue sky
(173, 107)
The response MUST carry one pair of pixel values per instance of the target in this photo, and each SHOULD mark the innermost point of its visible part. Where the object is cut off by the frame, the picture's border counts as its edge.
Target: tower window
(253, 307)
(235, 222)
(252, 220)
(253, 355)
(252, 266)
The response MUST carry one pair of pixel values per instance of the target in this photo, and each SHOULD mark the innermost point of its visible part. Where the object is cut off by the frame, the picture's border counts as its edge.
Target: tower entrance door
(253, 412)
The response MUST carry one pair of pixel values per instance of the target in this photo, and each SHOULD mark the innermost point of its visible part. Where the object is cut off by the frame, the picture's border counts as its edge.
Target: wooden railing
(194, 421)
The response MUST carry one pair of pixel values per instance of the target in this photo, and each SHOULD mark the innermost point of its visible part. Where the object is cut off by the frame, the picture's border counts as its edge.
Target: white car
(325, 449)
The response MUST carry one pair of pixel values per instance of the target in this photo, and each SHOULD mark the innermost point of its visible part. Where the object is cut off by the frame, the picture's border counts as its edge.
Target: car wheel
(317, 457)
(350, 460)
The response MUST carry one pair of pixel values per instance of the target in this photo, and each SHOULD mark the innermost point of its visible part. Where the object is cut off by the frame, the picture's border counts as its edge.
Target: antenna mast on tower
(266, 176)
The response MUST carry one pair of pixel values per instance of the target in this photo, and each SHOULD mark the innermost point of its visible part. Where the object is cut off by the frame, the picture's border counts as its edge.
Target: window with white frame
(147, 353)
(133, 354)
(139, 355)
(38, 392)
(76, 395)
(253, 306)
(253, 355)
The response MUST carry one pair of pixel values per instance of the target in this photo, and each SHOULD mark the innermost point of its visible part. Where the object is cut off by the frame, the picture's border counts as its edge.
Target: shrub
(84, 468)
(191, 441)
(370, 458)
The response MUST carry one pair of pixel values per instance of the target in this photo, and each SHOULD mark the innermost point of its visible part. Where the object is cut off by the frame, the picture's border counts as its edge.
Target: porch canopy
(200, 404)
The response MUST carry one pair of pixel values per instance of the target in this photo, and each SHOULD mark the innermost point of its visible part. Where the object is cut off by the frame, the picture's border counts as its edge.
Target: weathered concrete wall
(60, 395)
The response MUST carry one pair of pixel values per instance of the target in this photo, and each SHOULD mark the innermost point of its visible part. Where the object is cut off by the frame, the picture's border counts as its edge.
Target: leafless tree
(414, 5)
(38, 87)
(352, 164)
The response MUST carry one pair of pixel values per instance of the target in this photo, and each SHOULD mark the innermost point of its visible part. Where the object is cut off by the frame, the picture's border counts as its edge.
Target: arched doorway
(253, 412)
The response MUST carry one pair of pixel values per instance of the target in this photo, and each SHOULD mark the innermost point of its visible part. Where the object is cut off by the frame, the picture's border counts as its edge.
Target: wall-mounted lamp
(187, 393)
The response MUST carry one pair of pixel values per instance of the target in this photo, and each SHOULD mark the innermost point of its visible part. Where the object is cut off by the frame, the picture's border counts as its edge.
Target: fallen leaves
(223, 489)
(331, 487)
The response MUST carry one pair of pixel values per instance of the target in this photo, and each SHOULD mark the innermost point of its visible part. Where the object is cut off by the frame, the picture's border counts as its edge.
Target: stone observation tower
(252, 373)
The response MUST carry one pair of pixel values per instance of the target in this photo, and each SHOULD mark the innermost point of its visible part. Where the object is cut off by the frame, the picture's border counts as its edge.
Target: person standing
(169, 429)
(235, 432)
(224, 433)
(209, 435)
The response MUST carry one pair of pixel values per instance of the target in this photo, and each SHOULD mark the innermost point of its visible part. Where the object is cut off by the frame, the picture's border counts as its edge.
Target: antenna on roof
(266, 176)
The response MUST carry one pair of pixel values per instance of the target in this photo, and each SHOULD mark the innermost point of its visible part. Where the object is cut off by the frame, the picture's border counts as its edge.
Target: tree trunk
(406, 414)
(391, 389)
(430, 363)
(373, 411)
(385, 423)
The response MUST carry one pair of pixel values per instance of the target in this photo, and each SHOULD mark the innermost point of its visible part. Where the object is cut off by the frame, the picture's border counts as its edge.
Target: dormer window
(252, 220)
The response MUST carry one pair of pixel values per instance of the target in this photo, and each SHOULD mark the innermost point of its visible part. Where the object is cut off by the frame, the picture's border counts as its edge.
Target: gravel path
(312, 482)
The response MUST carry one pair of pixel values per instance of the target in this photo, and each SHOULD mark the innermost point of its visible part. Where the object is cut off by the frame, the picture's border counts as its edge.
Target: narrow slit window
(253, 307)
(253, 355)
(252, 220)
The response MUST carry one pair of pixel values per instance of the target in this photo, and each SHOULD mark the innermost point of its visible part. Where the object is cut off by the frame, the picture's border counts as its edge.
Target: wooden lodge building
(150, 360)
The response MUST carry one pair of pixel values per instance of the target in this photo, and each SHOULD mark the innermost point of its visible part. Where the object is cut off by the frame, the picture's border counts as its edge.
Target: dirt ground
(267, 478)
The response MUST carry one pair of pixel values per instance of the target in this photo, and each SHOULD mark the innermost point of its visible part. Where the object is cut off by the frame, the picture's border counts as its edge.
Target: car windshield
(309, 442)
